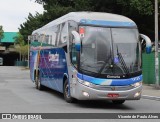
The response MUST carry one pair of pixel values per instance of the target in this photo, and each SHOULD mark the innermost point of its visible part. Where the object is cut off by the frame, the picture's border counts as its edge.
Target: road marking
(151, 97)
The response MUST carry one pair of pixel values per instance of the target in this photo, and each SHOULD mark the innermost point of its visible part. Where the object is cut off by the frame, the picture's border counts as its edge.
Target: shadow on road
(102, 104)
(96, 104)
(53, 92)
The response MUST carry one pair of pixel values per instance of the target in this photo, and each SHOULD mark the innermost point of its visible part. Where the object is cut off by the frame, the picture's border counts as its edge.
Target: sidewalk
(150, 92)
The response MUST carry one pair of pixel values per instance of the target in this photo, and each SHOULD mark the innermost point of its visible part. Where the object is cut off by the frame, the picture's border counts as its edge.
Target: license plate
(112, 95)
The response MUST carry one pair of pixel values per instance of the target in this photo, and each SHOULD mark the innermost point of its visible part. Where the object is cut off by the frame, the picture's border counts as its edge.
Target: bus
(89, 56)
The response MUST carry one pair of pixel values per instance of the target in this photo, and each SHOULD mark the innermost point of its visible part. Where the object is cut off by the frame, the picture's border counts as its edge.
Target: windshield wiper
(124, 66)
(104, 65)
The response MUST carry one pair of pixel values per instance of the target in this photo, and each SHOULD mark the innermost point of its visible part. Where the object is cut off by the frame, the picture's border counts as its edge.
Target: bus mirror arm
(77, 40)
(148, 43)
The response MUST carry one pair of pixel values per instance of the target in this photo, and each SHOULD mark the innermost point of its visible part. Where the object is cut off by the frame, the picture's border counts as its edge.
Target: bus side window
(41, 38)
(54, 35)
(34, 38)
(50, 39)
(64, 33)
(47, 39)
(73, 53)
(57, 35)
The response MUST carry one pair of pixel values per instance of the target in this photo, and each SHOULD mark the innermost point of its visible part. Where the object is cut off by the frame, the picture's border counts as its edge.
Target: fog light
(137, 94)
(85, 94)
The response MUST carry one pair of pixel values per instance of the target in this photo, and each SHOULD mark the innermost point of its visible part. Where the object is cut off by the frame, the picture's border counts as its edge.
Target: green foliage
(83, 5)
(1, 32)
(20, 46)
(143, 7)
(23, 51)
(141, 11)
(32, 23)
(19, 39)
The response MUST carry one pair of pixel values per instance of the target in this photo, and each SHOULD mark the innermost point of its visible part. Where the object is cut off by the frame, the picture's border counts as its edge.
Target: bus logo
(53, 57)
(136, 78)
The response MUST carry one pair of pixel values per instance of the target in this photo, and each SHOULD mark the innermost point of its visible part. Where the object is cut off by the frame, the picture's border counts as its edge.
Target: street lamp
(156, 45)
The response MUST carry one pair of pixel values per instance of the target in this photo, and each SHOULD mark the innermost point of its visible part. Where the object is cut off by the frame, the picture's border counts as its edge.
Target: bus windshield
(110, 51)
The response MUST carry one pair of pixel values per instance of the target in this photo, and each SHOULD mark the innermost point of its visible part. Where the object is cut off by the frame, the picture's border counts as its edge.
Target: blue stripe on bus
(124, 82)
(108, 23)
(114, 82)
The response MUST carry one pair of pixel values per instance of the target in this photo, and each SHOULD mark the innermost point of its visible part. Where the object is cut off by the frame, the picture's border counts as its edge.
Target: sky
(14, 12)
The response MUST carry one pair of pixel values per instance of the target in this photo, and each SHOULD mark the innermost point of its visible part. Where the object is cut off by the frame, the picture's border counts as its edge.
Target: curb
(150, 97)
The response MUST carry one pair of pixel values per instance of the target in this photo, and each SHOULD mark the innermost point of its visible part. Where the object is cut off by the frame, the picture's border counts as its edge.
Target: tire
(118, 101)
(38, 83)
(67, 96)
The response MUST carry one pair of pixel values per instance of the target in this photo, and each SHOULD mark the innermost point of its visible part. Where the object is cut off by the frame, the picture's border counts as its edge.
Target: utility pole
(156, 45)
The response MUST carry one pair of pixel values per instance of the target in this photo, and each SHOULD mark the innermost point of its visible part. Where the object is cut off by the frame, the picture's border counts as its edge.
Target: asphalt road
(19, 95)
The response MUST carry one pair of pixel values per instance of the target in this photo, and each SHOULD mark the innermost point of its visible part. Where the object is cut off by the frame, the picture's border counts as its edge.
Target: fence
(21, 63)
(148, 68)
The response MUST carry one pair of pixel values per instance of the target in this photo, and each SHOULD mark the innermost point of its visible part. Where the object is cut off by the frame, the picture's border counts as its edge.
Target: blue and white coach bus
(89, 56)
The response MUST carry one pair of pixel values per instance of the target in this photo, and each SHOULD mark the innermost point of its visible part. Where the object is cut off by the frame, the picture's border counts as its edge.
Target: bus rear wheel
(38, 83)
(118, 101)
(66, 93)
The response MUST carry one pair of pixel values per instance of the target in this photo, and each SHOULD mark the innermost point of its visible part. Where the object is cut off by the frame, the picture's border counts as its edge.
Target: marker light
(86, 83)
(137, 84)
(81, 32)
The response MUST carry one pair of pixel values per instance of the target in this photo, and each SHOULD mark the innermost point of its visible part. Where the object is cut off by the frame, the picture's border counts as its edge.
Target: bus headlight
(85, 83)
(137, 84)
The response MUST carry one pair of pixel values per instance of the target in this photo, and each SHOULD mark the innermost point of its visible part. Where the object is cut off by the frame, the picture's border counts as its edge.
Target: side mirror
(148, 43)
(77, 40)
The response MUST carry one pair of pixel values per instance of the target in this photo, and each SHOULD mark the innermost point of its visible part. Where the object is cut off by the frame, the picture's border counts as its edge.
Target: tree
(19, 39)
(1, 32)
(23, 52)
(32, 23)
(140, 11)
(21, 47)
(144, 7)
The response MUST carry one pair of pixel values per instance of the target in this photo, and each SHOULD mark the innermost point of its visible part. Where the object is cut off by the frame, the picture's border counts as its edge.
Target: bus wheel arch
(37, 80)
(64, 79)
(66, 94)
(35, 75)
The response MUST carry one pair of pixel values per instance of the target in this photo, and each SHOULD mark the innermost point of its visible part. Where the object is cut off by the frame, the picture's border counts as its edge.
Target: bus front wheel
(66, 93)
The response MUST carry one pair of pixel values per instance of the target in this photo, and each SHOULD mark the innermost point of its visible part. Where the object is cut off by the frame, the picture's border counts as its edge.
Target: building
(7, 52)
(7, 41)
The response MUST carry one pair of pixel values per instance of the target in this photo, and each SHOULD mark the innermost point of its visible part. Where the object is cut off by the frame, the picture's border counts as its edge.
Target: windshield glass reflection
(113, 51)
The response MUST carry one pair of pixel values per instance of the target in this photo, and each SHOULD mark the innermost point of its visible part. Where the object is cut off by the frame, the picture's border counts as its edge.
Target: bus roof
(91, 18)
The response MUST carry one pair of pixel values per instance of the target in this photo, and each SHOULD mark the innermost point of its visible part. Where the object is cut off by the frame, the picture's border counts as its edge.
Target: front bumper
(96, 94)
